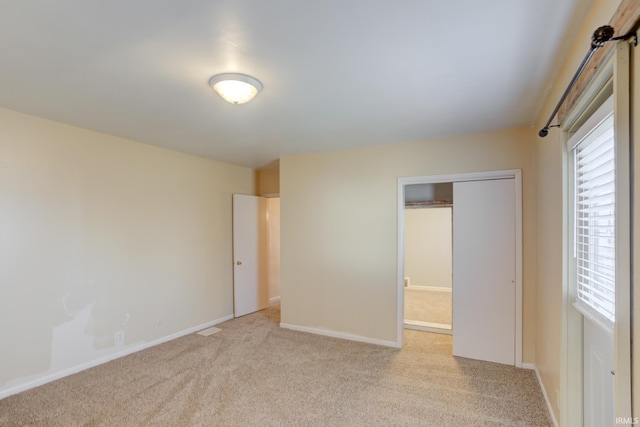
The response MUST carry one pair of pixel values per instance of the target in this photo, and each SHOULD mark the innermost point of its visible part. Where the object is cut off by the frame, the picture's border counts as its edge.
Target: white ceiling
(336, 73)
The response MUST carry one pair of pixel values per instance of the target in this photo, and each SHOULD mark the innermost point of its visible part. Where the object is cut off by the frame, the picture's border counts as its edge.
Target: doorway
(428, 257)
(273, 253)
(469, 314)
(256, 253)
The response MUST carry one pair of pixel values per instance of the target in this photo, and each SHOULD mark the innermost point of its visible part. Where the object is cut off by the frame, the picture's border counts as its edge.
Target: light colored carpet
(427, 306)
(253, 373)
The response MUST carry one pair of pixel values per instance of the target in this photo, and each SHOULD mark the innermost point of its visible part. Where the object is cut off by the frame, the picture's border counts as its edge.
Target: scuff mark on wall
(71, 344)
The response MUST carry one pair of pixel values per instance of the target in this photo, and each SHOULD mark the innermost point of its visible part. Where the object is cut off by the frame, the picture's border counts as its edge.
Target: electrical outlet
(159, 322)
(118, 338)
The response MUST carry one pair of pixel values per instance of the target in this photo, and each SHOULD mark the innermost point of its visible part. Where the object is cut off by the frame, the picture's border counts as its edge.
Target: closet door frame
(516, 174)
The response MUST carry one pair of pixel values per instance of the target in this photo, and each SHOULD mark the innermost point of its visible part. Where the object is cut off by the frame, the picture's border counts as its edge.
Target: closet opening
(484, 255)
(428, 257)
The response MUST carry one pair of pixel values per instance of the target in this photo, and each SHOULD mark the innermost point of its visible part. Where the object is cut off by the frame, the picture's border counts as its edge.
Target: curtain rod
(601, 36)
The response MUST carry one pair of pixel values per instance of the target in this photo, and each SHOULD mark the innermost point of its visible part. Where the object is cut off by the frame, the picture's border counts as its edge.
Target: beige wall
(428, 247)
(268, 181)
(636, 237)
(551, 291)
(273, 210)
(99, 234)
(339, 227)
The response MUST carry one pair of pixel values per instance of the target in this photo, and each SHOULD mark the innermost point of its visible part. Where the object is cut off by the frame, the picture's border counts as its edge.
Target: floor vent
(209, 331)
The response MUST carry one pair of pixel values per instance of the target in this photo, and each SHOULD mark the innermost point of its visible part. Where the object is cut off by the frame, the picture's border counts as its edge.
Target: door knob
(239, 262)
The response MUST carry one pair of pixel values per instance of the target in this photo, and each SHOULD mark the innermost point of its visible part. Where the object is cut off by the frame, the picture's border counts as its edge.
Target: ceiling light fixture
(235, 88)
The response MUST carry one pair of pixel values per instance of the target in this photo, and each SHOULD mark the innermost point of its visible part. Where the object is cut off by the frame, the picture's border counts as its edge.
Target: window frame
(612, 78)
(605, 110)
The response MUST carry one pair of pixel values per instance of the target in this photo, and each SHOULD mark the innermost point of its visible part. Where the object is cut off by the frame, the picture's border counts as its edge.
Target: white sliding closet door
(484, 261)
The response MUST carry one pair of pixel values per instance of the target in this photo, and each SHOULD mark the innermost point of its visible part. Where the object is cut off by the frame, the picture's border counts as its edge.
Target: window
(593, 151)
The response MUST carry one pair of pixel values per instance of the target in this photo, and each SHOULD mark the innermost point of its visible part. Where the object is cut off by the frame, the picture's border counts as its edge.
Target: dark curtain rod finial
(601, 36)
(545, 130)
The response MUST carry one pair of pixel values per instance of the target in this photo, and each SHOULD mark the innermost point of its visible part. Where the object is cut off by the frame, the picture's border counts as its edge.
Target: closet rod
(601, 36)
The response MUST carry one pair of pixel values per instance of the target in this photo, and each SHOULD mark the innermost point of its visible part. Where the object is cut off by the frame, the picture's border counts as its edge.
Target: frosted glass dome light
(235, 88)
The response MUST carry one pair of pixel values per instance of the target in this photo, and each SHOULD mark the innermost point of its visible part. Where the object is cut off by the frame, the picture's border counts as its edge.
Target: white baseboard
(49, 377)
(274, 300)
(341, 335)
(544, 391)
(428, 288)
(436, 328)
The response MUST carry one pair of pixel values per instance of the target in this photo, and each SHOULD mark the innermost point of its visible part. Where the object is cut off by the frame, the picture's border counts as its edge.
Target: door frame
(460, 177)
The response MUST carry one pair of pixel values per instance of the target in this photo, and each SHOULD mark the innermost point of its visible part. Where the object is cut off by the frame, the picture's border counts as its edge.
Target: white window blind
(594, 220)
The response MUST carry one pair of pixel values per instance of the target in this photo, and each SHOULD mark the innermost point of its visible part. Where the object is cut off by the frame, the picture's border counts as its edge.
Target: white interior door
(250, 254)
(484, 262)
(598, 365)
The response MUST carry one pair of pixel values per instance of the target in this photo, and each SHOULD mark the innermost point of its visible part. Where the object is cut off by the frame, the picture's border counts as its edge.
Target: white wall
(428, 247)
(99, 234)
(339, 227)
